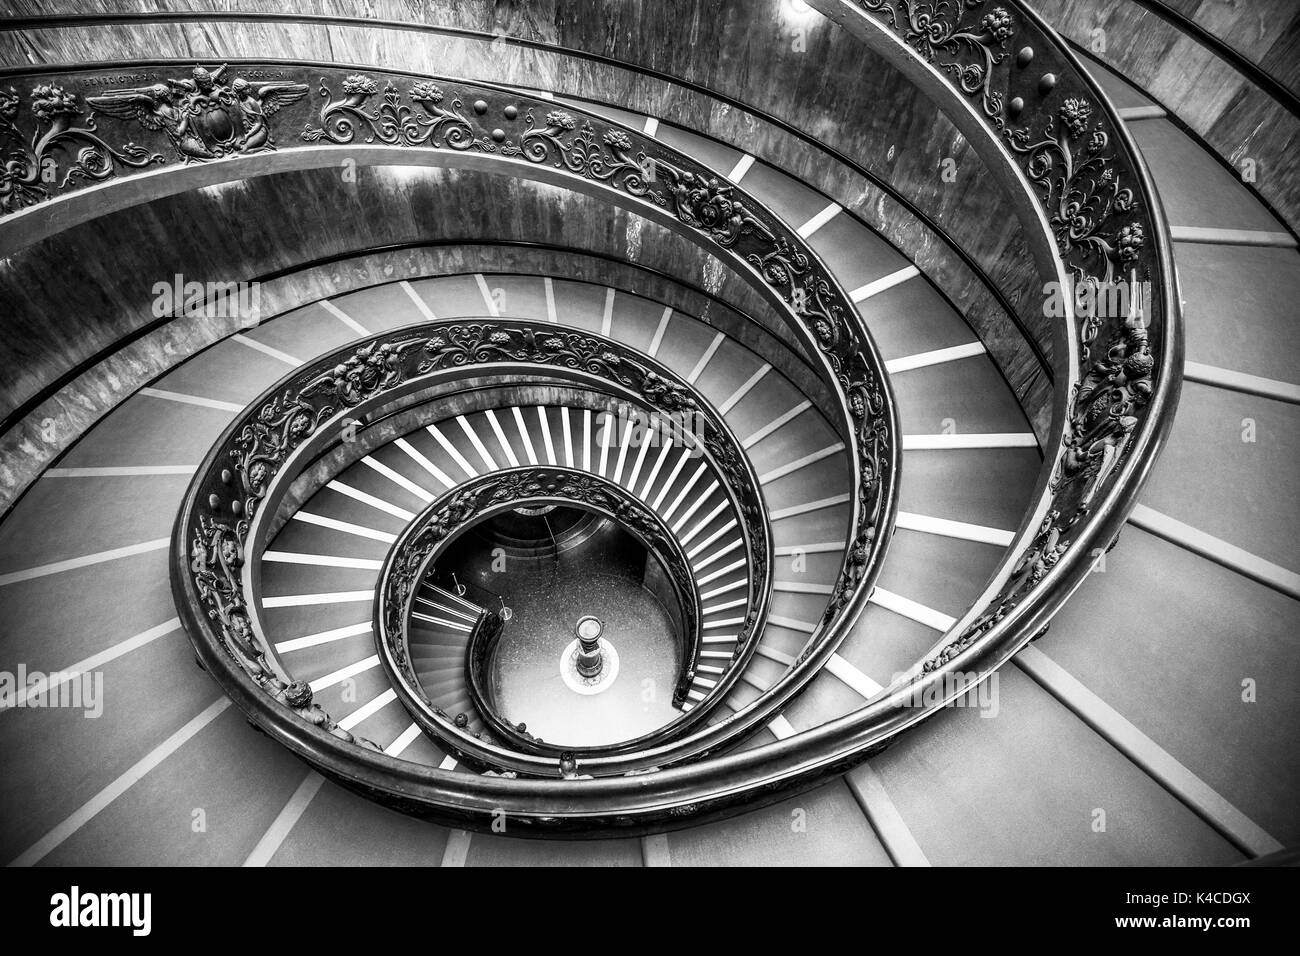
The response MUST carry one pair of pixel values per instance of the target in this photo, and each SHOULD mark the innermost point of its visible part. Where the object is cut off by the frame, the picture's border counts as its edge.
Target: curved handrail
(1254, 72)
(285, 427)
(1092, 191)
(428, 535)
(675, 189)
(480, 647)
(1055, 123)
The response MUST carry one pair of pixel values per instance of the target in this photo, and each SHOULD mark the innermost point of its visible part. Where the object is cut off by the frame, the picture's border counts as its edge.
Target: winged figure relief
(203, 116)
(260, 102)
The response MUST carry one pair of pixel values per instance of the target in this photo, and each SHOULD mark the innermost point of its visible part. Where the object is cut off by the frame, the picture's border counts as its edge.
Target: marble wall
(773, 70)
(82, 292)
(1215, 101)
(75, 296)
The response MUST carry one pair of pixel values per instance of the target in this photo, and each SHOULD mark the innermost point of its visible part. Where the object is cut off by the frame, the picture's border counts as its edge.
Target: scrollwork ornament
(260, 446)
(63, 148)
(582, 150)
(394, 121)
(965, 48)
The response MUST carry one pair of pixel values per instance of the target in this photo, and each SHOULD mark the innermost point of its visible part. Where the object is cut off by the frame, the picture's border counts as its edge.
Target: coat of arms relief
(50, 140)
(204, 117)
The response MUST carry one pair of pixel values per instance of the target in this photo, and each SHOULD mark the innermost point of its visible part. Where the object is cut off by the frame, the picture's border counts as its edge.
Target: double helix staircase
(1121, 707)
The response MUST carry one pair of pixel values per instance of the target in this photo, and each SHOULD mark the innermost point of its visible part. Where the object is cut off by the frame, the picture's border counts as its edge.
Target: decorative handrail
(479, 649)
(1055, 126)
(595, 155)
(62, 141)
(422, 541)
(288, 425)
(1123, 364)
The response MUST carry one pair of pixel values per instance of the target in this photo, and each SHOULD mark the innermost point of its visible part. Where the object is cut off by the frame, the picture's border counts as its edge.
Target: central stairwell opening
(542, 571)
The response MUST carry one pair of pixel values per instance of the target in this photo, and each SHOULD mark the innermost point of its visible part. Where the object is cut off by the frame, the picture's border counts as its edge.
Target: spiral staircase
(954, 583)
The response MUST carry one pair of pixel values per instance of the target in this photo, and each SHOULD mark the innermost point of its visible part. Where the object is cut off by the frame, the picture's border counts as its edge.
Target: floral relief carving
(937, 28)
(220, 112)
(1088, 195)
(393, 121)
(582, 150)
(63, 148)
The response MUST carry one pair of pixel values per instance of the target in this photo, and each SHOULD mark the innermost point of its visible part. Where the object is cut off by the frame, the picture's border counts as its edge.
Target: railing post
(589, 661)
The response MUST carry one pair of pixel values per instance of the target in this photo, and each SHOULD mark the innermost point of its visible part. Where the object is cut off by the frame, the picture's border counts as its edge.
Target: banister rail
(427, 537)
(587, 153)
(1007, 77)
(1119, 302)
(300, 412)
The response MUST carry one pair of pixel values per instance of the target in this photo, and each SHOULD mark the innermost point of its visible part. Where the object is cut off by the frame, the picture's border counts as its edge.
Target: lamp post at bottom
(589, 659)
(589, 663)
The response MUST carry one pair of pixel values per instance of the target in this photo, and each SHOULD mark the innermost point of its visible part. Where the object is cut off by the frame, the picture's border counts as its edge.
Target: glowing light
(217, 190)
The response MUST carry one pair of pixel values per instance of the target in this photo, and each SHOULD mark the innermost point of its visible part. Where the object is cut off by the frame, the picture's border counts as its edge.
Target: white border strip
(742, 166)
(122, 471)
(323, 637)
(71, 564)
(285, 820)
(936, 357)
(1217, 550)
(976, 440)
(912, 609)
(185, 399)
(64, 674)
(819, 220)
(313, 600)
(322, 560)
(343, 317)
(1241, 382)
(275, 353)
(883, 816)
(877, 286)
(88, 810)
(1154, 760)
(1231, 237)
(419, 302)
(953, 529)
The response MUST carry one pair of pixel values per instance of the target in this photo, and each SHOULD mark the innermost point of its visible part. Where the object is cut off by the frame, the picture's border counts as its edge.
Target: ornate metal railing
(423, 540)
(258, 456)
(1018, 85)
(1039, 122)
(479, 649)
(82, 128)
(559, 145)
